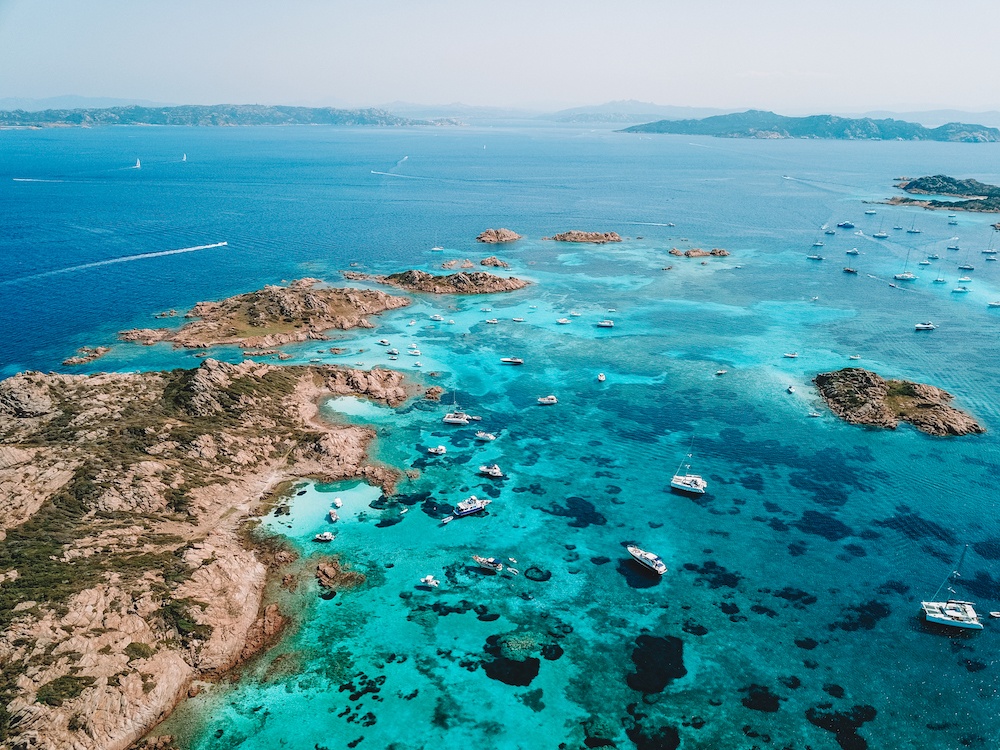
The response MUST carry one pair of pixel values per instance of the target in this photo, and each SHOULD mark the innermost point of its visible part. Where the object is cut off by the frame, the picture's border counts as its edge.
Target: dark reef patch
(844, 724)
(983, 585)
(864, 616)
(760, 698)
(600, 560)
(753, 482)
(518, 673)
(914, 526)
(582, 512)
(796, 597)
(824, 525)
(806, 643)
(835, 690)
(714, 575)
(988, 549)
(664, 738)
(893, 587)
(830, 495)
(539, 575)
(658, 662)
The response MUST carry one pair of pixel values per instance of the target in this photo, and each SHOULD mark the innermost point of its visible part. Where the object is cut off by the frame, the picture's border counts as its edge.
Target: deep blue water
(790, 607)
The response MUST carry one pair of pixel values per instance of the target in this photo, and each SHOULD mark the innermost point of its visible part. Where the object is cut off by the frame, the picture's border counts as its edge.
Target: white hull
(952, 614)
(689, 483)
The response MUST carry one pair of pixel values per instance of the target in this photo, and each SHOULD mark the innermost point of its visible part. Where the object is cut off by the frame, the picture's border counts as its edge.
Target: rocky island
(575, 235)
(697, 252)
(495, 236)
(273, 316)
(127, 571)
(979, 196)
(862, 397)
(478, 282)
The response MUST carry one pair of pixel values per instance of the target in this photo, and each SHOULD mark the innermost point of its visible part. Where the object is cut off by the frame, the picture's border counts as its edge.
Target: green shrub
(62, 689)
(136, 650)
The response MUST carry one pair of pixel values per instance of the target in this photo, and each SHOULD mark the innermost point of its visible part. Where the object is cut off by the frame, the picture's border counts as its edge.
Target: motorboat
(940, 281)
(815, 414)
(870, 212)
(492, 471)
(952, 613)
(547, 400)
(790, 389)
(563, 321)
(849, 270)
(846, 225)
(414, 352)
(456, 417)
(791, 355)
(965, 278)
(437, 451)
(830, 231)
(852, 251)
(721, 372)
(881, 235)
(606, 323)
(905, 276)
(512, 360)
(815, 257)
(928, 326)
(855, 356)
(431, 581)
(488, 563)
(470, 505)
(574, 314)
(993, 304)
(955, 248)
(601, 377)
(333, 515)
(383, 342)
(991, 258)
(960, 290)
(518, 320)
(648, 560)
(325, 536)
(392, 352)
(924, 263)
(412, 323)
(933, 256)
(485, 437)
(953, 223)
(692, 483)
(338, 503)
(966, 267)
(485, 309)
(437, 317)
(897, 227)
(818, 243)
(492, 321)
(412, 345)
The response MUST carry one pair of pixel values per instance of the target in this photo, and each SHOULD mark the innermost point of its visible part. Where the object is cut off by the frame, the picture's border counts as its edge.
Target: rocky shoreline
(862, 397)
(127, 574)
(273, 316)
(478, 282)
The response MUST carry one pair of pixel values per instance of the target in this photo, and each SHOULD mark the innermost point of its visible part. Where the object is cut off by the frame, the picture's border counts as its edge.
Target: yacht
(818, 243)
(485, 437)
(512, 360)
(953, 247)
(492, 321)
(924, 263)
(928, 326)
(489, 563)
(853, 251)
(933, 256)
(993, 304)
(846, 225)
(414, 352)
(719, 373)
(606, 324)
(456, 417)
(647, 560)
(881, 235)
(692, 483)
(547, 400)
(965, 278)
(574, 314)
(437, 317)
(412, 323)
(830, 231)
(491, 470)
(518, 320)
(960, 290)
(855, 356)
(939, 280)
(904, 276)
(563, 321)
(991, 258)
(437, 249)
(393, 352)
(383, 342)
(897, 227)
(418, 364)
(952, 613)
(966, 267)
(438, 451)
(326, 536)
(870, 212)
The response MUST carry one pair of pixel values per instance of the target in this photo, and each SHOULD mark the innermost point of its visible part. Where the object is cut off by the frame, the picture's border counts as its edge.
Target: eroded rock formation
(575, 235)
(494, 236)
(478, 282)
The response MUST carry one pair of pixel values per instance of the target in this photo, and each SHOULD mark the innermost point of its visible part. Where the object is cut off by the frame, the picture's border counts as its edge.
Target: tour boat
(928, 326)
(438, 451)
(605, 324)
(952, 613)
(953, 247)
(383, 342)
(485, 437)
(647, 560)
(512, 360)
(547, 400)
(489, 563)
(491, 470)
(470, 505)
(326, 536)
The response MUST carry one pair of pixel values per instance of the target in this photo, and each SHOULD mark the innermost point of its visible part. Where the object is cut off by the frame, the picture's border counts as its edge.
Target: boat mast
(955, 573)
(689, 454)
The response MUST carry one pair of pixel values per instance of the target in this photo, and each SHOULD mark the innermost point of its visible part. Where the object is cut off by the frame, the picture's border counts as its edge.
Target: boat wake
(32, 179)
(404, 176)
(111, 261)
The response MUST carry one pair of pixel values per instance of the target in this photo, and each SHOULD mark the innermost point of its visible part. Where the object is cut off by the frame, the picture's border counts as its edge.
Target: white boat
(326, 536)
(606, 323)
(721, 372)
(964, 279)
(491, 470)
(648, 560)
(966, 267)
(333, 515)
(456, 417)
(928, 326)
(338, 503)
(790, 389)
(993, 304)
(815, 257)
(953, 247)
(692, 483)
(138, 165)
(547, 400)
(830, 231)
(791, 355)
(574, 314)
(435, 316)
(601, 377)
(485, 437)
(846, 225)
(512, 360)
(489, 563)
(383, 342)
(960, 290)
(905, 276)
(870, 212)
(392, 352)
(881, 235)
(437, 249)
(818, 243)
(925, 263)
(493, 321)
(563, 321)
(518, 320)
(952, 613)
(855, 356)
(485, 309)
(430, 580)
(412, 323)
(953, 223)
(470, 505)
(852, 251)
(437, 451)
(933, 256)
(184, 158)
(414, 352)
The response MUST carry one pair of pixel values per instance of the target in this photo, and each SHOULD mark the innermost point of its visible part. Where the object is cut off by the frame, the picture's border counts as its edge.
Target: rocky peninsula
(863, 397)
(494, 236)
(273, 316)
(128, 570)
(979, 196)
(478, 282)
(575, 235)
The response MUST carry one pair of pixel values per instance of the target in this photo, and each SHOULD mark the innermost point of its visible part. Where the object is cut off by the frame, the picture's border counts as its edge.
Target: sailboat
(686, 482)
(881, 234)
(913, 227)
(456, 415)
(184, 158)
(952, 613)
(137, 164)
(905, 275)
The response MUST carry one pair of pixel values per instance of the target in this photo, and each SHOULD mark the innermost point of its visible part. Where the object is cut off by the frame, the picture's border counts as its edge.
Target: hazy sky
(787, 55)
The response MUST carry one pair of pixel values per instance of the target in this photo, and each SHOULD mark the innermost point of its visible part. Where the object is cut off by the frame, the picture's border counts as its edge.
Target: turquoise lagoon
(788, 617)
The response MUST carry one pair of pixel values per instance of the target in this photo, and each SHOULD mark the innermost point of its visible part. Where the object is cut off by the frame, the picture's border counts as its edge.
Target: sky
(789, 56)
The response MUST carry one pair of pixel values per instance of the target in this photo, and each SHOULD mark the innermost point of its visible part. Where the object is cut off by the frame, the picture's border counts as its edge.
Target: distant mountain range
(759, 124)
(222, 114)
(629, 111)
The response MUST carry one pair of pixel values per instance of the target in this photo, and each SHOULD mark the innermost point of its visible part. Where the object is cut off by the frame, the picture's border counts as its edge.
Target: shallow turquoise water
(790, 606)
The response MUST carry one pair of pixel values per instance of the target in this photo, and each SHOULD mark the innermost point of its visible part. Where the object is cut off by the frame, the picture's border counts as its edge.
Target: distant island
(979, 196)
(478, 282)
(201, 115)
(760, 124)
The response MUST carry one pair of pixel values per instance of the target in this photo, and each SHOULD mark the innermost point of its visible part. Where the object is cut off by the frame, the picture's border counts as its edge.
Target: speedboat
(790, 389)
(491, 470)
(960, 290)
(855, 356)
(648, 560)
(606, 324)
(852, 251)
(392, 352)
(456, 417)
(791, 355)
(518, 320)
(846, 225)
(485, 437)
(924, 263)
(928, 326)
(563, 321)
(430, 580)
(815, 414)
(815, 257)
(326, 536)
(493, 321)
(437, 317)
(601, 377)
(547, 400)
(470, 505)
(438, 451)
(870, 212)
(489, 563)
(512, 360)
(993, 304)
(383, 342)
(991, 258)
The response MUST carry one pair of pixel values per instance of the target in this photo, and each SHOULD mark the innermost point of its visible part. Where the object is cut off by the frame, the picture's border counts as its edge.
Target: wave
(110, 261)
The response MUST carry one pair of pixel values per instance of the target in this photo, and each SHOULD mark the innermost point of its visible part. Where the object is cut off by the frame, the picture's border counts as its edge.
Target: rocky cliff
(124, 571)
(478, 282)
(273, 316)
(862, 397)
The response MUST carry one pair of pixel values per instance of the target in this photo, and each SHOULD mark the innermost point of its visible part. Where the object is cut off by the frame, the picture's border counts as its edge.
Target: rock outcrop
(87, 354)
(493, 262)
(697, 252)
(575, 235)
(862, 397)
(495, 236)
(125, 573)
(273, 316)
(478, 282)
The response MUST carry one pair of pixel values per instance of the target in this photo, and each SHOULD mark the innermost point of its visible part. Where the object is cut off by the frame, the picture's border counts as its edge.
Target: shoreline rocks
(494, 262)
(86, 354)
(697, 252)
(477, 282)
(575, 235)
(862, 397)
(497, 236)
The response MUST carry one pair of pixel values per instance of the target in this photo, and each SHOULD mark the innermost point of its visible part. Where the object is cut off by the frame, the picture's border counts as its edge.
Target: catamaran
(952, 613)
(686, 482)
